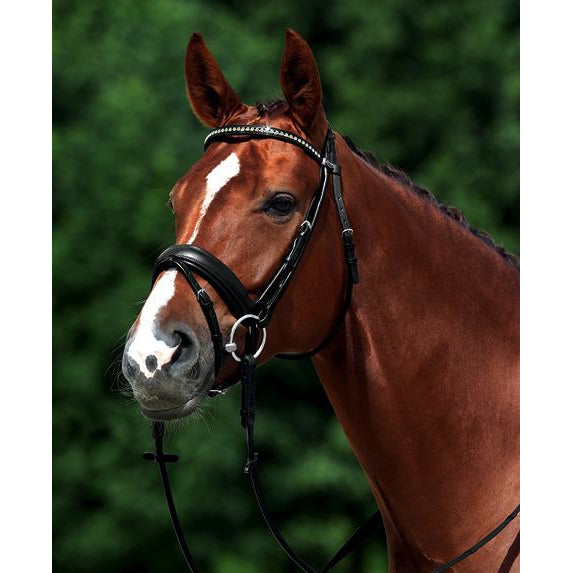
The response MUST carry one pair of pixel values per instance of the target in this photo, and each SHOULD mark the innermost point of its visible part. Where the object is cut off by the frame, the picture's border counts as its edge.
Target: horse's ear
(211, 96)
(300, 80)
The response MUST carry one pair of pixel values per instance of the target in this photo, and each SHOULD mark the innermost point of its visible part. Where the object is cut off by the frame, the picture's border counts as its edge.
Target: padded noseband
(193, 259)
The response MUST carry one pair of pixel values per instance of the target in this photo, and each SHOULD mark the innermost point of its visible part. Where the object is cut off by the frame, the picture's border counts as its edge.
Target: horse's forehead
(255, 160)
(212, 173)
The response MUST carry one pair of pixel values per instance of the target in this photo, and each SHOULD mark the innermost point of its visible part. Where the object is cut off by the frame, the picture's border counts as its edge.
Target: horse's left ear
(211, 96)
(300, 80)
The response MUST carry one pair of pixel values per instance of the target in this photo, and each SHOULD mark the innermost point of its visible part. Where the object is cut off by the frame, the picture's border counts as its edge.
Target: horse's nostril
(184, 342)
(151, 363)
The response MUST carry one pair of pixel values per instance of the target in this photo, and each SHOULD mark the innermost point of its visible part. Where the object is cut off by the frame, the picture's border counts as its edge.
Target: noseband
(255, 316)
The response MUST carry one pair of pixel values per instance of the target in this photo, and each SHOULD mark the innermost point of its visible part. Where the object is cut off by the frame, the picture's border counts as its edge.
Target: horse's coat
(424, 375)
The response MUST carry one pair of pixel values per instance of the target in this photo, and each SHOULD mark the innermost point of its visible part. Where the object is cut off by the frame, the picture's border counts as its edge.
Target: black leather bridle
(255, 315)
(190, 259)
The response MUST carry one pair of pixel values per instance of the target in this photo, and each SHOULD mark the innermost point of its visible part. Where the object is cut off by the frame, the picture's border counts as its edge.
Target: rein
(254, 316)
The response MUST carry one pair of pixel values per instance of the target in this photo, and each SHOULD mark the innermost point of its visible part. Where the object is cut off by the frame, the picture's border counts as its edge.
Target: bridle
(254, 316)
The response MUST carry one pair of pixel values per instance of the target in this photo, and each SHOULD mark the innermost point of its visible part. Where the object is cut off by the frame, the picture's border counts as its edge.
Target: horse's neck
(424, 377)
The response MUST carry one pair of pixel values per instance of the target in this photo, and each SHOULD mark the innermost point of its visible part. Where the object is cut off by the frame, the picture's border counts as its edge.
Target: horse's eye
(280, 205)
(170, 204)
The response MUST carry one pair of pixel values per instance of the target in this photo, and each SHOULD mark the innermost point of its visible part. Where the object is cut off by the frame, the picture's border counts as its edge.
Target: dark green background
(432, 87)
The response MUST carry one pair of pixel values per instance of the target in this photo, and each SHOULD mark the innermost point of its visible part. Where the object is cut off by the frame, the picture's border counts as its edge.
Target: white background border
(25, 299)
(547, 291)
(547, 285)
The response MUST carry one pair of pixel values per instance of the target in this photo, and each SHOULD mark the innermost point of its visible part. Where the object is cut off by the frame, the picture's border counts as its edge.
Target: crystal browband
(263, 131)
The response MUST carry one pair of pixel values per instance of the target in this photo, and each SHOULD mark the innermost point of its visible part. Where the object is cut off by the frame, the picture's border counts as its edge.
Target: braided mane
(451, 212)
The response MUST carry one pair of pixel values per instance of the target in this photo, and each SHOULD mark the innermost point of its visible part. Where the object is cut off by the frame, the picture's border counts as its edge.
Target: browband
(263, 132)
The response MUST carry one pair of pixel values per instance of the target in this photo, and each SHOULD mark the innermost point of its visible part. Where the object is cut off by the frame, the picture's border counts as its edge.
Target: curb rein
(255, 316)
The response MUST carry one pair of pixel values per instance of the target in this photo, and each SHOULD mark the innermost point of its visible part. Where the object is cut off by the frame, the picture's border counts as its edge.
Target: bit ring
(231, 346)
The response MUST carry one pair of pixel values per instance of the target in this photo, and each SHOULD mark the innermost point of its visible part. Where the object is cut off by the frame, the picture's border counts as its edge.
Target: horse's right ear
(211, 96)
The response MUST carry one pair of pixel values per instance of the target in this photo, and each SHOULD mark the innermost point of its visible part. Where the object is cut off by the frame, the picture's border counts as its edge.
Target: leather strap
(331, 333)
(248, 401)
(486, 539)
(276, 288)
(161, 458)
(347, 230)
(194, 259)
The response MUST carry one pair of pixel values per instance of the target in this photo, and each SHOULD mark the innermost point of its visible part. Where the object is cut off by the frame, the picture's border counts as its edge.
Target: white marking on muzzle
(144, 343)
(216, 180)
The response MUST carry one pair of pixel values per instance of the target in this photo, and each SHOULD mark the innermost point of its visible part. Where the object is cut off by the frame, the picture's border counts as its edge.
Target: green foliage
(432, 88)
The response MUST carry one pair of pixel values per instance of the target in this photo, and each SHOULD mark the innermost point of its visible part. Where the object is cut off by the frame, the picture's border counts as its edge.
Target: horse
(423, 370)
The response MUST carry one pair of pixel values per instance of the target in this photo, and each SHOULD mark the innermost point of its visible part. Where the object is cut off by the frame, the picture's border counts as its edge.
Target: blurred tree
(433, 88)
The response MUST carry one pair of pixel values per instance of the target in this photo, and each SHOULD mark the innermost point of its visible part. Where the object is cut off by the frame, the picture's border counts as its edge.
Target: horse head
(243, 202)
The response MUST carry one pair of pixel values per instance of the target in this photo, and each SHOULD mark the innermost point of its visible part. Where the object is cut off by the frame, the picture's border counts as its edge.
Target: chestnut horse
(423, 375)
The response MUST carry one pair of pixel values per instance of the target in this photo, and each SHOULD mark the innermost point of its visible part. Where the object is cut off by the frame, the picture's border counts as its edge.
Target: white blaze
(144, 343)
(216, 180)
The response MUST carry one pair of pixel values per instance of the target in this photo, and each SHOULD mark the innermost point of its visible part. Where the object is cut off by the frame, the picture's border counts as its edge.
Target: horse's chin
(178, 405)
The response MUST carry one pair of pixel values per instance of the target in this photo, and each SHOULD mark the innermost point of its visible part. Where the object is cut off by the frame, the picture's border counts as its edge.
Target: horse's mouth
(172, 413)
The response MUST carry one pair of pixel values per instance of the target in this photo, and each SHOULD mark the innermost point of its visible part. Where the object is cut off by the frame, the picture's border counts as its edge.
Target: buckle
(331, 166)
(203, 297)
(251, 463)
(305, 227)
